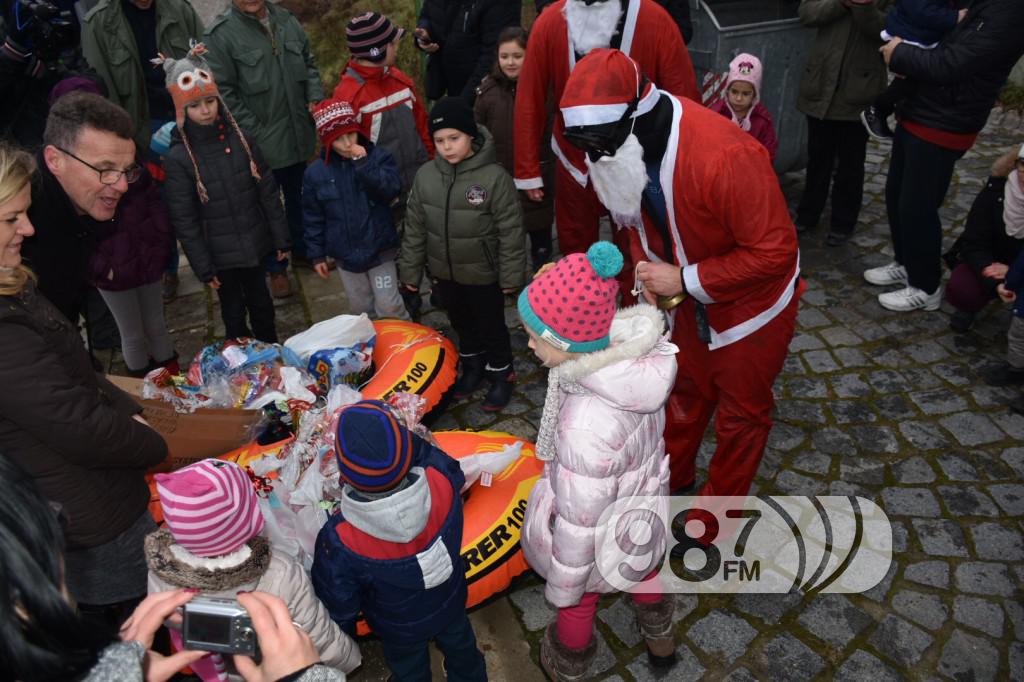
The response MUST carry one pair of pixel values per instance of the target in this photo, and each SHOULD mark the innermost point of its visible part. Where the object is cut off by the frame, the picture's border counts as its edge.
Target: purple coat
(134, 248)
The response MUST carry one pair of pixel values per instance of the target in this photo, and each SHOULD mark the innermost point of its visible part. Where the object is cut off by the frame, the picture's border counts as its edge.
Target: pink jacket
(608, 445)
(761, 125)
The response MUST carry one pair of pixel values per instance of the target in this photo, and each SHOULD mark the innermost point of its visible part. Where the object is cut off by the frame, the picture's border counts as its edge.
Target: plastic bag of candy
(336, 366)
(160, 384)
(228, 358)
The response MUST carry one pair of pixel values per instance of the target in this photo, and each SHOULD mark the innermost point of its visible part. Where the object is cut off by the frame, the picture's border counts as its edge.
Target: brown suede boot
(655, 622)
(561, 663)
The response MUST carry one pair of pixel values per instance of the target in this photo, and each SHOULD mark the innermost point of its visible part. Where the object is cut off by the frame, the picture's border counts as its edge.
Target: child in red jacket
(742, 101)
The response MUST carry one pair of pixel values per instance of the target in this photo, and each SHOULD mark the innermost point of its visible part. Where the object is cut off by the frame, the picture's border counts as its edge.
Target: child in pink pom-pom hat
(611, 372)
(742, 101)
(212, 543)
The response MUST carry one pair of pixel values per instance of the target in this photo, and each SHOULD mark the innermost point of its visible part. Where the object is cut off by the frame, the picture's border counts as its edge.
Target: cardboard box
(207, 432)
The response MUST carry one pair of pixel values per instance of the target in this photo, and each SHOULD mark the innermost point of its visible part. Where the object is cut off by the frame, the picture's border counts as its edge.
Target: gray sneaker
(886, 275)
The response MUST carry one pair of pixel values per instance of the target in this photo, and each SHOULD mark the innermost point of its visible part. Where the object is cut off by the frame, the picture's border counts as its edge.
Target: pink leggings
(575, 624)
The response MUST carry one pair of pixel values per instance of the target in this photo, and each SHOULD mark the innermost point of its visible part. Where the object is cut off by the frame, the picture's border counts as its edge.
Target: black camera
(218, 625)
(52, 31)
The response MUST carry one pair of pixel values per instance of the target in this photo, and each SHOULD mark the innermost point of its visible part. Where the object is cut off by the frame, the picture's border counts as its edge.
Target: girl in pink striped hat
(212, 542)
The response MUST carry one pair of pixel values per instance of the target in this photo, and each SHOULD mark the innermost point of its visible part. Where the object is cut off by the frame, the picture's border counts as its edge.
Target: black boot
(472, 376)
(501, 389)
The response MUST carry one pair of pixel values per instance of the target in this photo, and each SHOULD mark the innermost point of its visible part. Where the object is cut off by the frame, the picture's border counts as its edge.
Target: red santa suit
(732, 236)
(652, 39)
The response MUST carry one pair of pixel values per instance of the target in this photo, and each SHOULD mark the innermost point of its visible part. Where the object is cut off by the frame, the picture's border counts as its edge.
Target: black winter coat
(959, 80)
(68, 427)
(467, 31)
(243, 220)
(984, 240)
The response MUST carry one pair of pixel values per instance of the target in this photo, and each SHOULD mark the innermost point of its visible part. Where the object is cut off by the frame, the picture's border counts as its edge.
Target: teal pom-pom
(605, 258)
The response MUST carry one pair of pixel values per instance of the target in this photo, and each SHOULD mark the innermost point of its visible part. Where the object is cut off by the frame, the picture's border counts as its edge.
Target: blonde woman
(70, 429)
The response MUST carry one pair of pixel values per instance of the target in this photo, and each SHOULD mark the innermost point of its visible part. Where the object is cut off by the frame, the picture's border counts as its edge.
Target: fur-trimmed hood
(220, 574)
(636, 371)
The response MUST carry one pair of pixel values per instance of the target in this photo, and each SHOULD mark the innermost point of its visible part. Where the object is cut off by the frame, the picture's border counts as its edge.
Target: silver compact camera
(218, 625)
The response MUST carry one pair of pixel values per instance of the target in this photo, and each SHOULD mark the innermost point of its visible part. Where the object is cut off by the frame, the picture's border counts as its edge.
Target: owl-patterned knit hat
(571, 306)
(189, 80)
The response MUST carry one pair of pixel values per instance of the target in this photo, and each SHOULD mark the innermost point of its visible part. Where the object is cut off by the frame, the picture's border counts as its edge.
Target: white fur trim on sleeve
(693, 285)
(529, 183)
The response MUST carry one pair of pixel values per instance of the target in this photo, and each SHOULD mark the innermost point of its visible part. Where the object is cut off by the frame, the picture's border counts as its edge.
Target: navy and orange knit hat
(373, 448)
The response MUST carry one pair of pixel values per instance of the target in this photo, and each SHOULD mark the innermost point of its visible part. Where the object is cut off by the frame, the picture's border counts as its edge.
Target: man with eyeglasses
(85, 167)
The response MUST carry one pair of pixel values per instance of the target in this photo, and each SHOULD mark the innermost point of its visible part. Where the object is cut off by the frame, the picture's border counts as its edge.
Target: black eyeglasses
(109, 176)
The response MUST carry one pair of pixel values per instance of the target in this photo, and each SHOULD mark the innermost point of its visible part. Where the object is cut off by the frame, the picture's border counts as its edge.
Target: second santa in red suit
(712, 222)
(562, 34)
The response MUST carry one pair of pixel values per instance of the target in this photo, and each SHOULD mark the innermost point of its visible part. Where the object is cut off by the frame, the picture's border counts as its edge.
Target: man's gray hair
(77, 110)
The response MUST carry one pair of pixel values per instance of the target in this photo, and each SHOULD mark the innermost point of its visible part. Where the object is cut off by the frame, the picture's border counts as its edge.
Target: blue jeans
(289, 179)
(462, 659)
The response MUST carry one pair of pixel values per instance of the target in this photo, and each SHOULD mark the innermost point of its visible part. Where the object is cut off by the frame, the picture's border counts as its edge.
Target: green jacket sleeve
(192, 22)
(508, 218)
(816, 13)
(314, 89)
(96, 57)
(870, 19)
(224, 73)
(414, 240)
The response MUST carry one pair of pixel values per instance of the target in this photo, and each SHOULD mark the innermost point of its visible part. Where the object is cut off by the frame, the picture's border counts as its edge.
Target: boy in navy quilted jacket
(393, 550)
(347, 216)
(921, 23)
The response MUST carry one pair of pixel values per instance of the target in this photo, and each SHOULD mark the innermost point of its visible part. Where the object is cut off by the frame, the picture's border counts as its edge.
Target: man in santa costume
(707, 221)
(562, 35)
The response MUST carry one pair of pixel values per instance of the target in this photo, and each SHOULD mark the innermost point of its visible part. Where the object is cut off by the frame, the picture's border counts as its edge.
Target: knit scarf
(546, 445)
(1013, 207)
(743, 123)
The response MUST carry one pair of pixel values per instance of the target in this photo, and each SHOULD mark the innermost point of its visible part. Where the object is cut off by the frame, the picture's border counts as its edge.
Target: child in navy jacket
(921, 23)
(393, 549)
(346, 210)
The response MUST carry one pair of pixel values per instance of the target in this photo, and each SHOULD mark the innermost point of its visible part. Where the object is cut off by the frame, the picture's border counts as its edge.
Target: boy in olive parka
(464, 221)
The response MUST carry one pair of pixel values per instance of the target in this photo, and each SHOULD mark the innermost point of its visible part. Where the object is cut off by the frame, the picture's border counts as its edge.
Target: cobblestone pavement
(883, 405)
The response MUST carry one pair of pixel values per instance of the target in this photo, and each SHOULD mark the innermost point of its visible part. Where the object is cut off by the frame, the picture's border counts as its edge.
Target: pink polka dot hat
(571, 306)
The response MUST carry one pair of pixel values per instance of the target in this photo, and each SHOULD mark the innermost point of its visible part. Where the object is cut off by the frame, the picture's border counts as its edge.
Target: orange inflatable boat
(410, 358)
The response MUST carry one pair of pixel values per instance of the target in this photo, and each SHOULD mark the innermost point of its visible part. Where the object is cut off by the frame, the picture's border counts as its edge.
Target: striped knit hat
(334, 118)
(571, 306)
(373, 448)
(369, 34)
(210, 507)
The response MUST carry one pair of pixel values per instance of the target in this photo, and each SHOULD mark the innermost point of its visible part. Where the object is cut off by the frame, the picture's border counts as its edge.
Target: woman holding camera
(43, 637)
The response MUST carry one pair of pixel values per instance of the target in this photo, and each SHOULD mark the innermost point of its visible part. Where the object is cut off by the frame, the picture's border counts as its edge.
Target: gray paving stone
(802, 342)
(891, 358)
(900, 537)
(619, 617)
(940, 537)
(962, 500)
(956, 468)
(788, 658)
(923, 435)
(994, 541)
(851, 357)
(924, 609)
(840, 336)
(925, 352)
(834, 619)
(972, 429)
(862, 666)
(862, 470)
(900, 641)
(833, 441)
(1016, 660)
(875, 439)
(977, 577)
(955, 374)
(604, 660)
(939, 401)
(889, 381)
(966, 657)
(1009, 496)
(722, 634)
(807, 387)
(850, 386)
(1012, 424)
(769, 608)
(800, 411)
(910, 502)
(1014, 457)
(880, 592)
(851, 412)
(740, 675)
(980, 614)
(686, 669)
(913, 470)
(820, 361)
(809, 318)
(537, 613)
(785, 437)
(991, 396)
(792, 483)
(1015, 611)
(813, 463)
(793, 365)
(895, 407)
(922, 378)
(932, 573)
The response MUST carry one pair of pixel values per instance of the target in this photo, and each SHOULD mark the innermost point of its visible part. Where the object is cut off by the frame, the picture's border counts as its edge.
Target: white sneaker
(910, 298)
(893, 273)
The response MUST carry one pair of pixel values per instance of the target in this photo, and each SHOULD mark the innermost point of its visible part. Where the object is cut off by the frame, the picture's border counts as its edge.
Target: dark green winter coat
(464, 222)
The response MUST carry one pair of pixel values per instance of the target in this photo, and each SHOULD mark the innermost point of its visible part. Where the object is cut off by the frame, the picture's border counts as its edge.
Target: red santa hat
(602, 87)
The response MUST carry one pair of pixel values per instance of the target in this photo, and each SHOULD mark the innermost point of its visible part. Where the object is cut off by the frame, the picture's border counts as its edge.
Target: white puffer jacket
(608, 445)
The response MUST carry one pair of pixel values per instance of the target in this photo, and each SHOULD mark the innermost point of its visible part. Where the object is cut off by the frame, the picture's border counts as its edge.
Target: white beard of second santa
(592, 26)
(619, 182)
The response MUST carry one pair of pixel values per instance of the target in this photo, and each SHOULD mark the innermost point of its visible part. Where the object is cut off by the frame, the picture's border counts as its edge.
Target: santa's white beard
(619, 182)
(592, 26)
